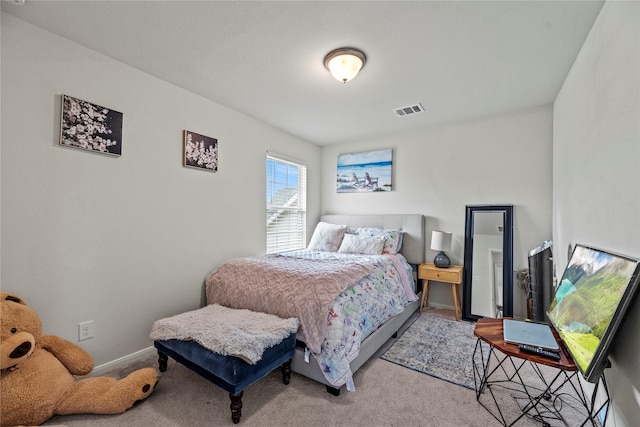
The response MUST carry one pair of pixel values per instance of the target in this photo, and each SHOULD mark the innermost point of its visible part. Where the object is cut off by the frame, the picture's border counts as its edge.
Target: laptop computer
(534, 334)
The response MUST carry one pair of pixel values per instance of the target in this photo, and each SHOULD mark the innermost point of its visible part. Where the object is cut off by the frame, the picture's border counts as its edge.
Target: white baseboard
(443, 306)
(123, 361)
(150, 351)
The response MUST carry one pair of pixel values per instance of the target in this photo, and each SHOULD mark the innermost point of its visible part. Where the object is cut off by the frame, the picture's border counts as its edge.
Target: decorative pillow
(393, 238)
(327, 237)
(354, 244)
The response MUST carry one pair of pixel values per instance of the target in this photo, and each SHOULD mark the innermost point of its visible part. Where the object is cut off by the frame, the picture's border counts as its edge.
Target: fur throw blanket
(226, 331)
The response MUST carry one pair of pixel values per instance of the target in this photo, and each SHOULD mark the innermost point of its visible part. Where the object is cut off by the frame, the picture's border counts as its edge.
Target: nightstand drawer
(428, 272)
(449, 275)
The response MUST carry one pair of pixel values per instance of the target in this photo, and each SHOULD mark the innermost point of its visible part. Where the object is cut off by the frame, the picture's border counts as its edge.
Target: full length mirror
(488, 262)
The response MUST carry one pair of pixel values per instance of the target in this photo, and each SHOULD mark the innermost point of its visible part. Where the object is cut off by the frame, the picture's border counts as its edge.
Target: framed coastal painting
(200, 152)
(90, 127)
(368, 171)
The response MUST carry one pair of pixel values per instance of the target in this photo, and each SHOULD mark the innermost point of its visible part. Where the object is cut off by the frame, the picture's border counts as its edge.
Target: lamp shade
(441, 240)
(344, 63)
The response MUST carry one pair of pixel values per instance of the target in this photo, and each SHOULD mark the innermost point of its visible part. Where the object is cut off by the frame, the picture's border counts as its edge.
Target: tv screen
(589, 305)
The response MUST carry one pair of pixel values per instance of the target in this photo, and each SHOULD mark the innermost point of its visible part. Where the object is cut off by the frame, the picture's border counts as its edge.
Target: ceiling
(460, 60)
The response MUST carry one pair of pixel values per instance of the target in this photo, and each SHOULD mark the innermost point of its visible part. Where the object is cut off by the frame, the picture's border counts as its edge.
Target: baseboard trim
(443, 306)
(123, 361)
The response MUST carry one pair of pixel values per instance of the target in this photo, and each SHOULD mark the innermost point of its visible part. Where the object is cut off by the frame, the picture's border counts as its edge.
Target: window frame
(286, 213)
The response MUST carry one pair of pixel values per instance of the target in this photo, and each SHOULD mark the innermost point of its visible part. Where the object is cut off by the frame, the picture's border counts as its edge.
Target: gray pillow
(327, 237)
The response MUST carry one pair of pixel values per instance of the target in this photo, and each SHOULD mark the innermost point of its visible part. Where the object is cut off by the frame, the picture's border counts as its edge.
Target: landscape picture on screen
(590, 303)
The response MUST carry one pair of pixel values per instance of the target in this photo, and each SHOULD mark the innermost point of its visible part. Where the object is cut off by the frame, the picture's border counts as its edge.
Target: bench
(230, 372)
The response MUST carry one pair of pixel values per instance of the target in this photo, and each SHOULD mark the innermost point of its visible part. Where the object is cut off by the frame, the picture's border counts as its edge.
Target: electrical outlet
(85, 330)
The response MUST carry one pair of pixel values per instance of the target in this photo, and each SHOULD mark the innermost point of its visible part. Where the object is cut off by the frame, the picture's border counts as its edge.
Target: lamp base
(442, 260)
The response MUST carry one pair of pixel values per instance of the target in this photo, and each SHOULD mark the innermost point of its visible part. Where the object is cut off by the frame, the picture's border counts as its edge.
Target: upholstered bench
(231, 363)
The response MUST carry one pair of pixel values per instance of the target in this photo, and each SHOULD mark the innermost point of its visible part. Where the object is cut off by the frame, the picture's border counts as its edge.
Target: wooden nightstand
(428, 272)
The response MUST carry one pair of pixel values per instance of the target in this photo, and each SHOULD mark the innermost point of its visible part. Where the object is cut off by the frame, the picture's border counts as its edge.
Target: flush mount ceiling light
(345, 63)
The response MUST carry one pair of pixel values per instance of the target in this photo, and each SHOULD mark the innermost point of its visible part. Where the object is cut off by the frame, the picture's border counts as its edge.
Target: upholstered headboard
(411, 224)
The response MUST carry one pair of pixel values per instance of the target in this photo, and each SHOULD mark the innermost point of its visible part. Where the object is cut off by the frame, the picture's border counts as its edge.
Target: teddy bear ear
(14, 298)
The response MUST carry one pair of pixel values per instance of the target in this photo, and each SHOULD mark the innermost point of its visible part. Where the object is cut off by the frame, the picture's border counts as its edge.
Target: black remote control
(539, 351)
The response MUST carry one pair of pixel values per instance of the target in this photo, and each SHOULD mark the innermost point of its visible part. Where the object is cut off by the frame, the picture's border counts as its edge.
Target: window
(286, 204)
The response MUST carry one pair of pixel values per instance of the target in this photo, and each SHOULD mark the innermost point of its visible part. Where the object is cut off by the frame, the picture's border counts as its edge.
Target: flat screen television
(590, 303)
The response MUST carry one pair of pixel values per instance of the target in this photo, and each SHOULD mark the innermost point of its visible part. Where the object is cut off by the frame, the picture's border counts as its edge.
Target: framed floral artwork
(90, 127)
(200, 152)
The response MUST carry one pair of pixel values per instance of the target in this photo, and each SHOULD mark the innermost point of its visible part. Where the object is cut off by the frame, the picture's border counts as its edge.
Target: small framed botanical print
(90, 127)
(200, 151)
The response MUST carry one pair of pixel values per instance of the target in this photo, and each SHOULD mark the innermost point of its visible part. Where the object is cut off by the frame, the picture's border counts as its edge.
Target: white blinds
(286, 204)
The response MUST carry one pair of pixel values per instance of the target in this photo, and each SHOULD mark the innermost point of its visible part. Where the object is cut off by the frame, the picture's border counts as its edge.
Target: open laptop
(534, 334)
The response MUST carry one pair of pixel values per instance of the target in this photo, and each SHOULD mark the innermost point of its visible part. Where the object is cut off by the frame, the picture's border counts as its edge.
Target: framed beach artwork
(364, 172)
(90, 127)
(200, 152)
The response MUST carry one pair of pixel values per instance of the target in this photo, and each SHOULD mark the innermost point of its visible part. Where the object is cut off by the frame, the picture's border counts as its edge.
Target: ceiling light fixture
(345, 63)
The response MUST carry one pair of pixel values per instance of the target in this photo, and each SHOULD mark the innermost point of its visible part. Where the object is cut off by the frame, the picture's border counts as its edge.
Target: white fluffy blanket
(226, 331)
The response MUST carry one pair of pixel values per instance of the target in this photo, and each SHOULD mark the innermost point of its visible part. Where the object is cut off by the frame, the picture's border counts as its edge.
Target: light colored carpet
(386, 395)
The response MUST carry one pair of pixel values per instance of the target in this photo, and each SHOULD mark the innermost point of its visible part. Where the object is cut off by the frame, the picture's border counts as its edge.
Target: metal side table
(546, 390)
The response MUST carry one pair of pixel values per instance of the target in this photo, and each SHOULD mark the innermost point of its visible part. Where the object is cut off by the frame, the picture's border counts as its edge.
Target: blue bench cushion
(228, 372)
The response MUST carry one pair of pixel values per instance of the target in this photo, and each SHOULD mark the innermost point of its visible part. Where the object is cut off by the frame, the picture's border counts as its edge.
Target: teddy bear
(37, 373)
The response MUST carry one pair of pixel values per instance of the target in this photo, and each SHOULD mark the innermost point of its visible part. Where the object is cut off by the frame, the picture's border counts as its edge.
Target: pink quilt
(287, 287)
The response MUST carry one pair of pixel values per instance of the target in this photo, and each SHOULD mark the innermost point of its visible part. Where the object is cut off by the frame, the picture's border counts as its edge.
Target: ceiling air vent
(407, 111)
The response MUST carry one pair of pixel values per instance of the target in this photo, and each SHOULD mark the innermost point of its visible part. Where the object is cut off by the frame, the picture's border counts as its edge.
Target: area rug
(438, 347)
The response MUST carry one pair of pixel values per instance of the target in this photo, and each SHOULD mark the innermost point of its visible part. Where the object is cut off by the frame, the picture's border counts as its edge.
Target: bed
(339, 289)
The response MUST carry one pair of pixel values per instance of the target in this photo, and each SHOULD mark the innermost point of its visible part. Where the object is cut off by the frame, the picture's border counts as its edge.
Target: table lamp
(441, 241)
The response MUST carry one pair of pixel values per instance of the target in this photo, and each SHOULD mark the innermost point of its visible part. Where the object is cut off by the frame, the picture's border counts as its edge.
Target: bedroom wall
(437, 171)
(596, 185)
(122, 241)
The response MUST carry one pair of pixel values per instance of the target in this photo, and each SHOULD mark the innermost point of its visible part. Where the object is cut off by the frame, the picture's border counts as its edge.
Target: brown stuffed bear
(37, 373)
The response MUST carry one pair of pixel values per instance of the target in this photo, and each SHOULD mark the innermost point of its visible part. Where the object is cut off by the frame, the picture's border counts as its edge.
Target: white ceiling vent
(407, 111)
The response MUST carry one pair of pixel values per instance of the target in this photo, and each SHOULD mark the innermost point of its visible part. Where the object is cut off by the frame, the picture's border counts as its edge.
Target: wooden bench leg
(236, 407)
(286, 372)
(162, 361)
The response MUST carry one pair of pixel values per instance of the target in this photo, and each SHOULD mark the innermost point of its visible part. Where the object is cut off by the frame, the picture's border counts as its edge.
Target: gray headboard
(411, 224)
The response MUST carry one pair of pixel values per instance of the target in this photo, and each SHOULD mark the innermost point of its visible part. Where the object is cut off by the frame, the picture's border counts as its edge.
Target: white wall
(437, 171)
(122, 241)
(596, 159)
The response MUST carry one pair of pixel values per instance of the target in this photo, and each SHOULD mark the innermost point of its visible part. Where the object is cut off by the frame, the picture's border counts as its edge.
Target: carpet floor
(386, 394)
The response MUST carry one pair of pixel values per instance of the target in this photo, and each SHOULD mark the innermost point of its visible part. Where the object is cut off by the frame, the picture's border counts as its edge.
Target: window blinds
(286, 204)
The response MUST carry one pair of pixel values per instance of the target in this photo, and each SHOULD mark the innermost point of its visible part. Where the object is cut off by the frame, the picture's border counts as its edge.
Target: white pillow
(327, 237)
(354, 244)
(393, 237)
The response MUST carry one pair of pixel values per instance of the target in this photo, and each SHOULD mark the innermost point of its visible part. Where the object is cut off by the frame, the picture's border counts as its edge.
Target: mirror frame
(507, 261)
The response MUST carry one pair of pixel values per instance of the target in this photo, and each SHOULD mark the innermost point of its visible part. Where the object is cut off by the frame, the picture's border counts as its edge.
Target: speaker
(541, 272)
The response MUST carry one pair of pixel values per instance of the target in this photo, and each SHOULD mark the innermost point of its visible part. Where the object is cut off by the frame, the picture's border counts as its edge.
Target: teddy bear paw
(144, 382)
